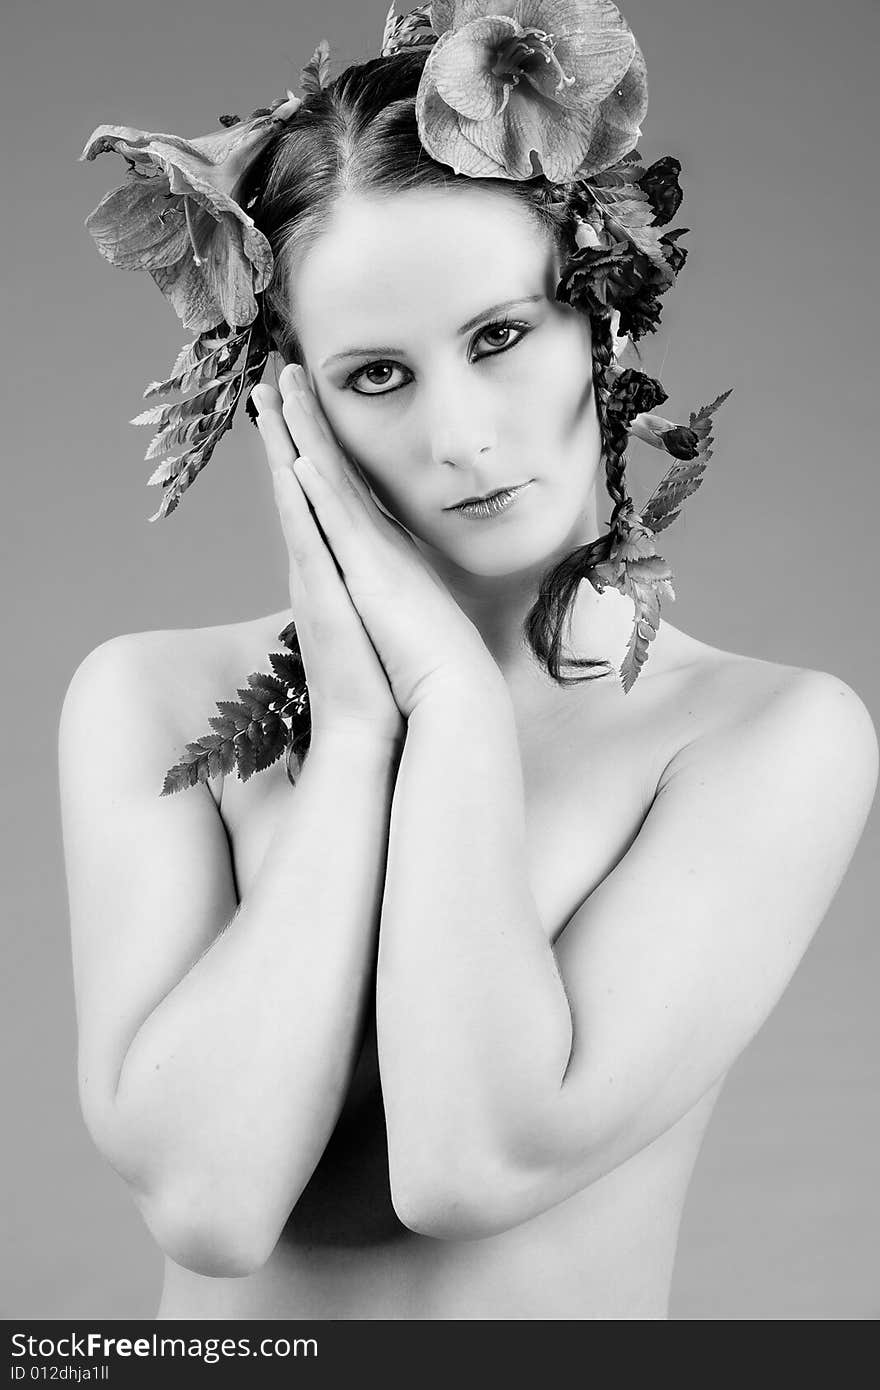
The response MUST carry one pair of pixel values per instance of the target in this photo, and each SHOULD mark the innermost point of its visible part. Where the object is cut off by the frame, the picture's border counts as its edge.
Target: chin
(530, 543)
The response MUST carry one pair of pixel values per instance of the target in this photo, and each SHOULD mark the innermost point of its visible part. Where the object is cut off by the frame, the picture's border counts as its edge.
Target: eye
(500, 326)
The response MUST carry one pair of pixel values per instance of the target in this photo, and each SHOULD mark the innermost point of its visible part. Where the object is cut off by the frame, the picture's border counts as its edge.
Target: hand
(348, 688)
(422, 637)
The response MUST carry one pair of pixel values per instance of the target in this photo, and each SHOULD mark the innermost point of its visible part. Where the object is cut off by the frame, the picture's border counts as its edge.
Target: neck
(597, 626)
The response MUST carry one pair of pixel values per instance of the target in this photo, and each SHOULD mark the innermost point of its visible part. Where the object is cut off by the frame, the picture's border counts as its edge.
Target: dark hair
(359, 134)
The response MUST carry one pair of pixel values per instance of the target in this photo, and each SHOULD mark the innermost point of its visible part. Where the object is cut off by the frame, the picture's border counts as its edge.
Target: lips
(511, 487)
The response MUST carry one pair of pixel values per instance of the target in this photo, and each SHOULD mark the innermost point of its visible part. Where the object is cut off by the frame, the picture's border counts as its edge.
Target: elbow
(439, 1215)
(467, 1200)
(198, 1223)
(220, 1240)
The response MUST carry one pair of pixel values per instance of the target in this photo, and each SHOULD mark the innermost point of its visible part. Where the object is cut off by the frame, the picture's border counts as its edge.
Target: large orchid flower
(177, 216)
(517, 88)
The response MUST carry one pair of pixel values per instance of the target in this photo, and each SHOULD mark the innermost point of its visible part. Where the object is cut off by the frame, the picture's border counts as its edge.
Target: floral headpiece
(510, 89)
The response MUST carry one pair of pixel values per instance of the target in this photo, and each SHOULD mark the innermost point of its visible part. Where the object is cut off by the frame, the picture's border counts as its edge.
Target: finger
(337, 466)
(351, 537)
(311, 431)
(280, 447)
(324, 604)
(311, 561)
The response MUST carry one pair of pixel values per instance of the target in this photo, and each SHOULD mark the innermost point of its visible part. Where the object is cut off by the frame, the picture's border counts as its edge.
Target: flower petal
(221, 286)
(190, 294)
(627, 105)
(124, 140)
(449, 14)
(559, 135)
(580, 128)
(140, 226)
(460, 67)
(442, 138)
(207, 256)
(230, 271)
(592, 41)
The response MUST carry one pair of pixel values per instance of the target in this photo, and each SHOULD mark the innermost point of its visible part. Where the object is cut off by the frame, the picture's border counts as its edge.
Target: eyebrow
(465, 328)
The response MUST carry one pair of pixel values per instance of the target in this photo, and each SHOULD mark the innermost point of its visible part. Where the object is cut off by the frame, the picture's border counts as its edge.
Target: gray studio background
(768, 107)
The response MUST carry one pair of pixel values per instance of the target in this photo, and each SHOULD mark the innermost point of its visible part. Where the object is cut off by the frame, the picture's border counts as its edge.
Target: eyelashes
(522, 328)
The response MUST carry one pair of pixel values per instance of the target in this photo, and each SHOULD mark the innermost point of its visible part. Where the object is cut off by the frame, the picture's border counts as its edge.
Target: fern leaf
(209, 364)
(253, 699)
(194, 431)
(221, 401)
(699, 422)
(205, 402)
(646, 623)
(223, 725)
(249, 734)
(288, 666)
(194, 351)
(270, 686)
(685, 475)
(149, 417)
(682, 479)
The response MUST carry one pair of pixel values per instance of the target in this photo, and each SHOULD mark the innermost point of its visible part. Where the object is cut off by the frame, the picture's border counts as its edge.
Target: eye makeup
(519, 325)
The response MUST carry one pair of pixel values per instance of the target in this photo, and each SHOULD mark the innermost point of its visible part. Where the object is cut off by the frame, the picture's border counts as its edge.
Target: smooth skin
(563, 912)
(494, 1121)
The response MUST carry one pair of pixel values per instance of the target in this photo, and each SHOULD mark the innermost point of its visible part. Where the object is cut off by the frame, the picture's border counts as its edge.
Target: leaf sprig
(685, 475)
(412, 30)
(631, 563)
(251, 733)
(219, 366)
(316, 73)
(627, 208)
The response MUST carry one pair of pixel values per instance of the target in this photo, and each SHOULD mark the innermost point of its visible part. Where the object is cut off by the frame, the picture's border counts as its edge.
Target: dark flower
(675, 255)
(660, 183)
(634, 393)
(681, 442)
(597, 279)
(640, 315)
(605, 273)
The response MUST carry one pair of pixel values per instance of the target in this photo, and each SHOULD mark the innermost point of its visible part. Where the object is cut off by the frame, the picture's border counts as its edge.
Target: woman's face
(400, 307)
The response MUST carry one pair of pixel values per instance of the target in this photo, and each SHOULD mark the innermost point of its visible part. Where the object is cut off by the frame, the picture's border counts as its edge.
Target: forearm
(474, 1028)
(232, 1086)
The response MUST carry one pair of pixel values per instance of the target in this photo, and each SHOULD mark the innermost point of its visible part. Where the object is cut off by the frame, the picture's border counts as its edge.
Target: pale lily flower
(177, 216)
(517, 88)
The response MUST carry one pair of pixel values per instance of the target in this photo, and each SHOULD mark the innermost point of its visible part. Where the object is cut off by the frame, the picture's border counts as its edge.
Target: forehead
(425, 258)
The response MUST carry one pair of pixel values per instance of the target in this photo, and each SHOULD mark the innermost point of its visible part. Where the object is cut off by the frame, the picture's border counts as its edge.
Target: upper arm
(149, 877)
(676, 959)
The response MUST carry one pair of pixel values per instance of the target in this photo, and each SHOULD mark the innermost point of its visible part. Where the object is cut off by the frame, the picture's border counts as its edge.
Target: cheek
(557, 395)
(362, 443)
(379, 470)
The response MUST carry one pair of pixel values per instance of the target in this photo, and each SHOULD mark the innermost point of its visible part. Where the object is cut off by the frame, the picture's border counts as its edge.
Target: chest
(586, 793)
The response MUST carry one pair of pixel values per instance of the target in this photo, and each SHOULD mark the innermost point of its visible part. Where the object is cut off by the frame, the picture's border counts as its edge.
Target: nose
(461, 421)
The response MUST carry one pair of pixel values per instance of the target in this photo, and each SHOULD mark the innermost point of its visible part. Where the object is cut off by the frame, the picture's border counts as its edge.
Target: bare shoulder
(803, 730)
(179, 674)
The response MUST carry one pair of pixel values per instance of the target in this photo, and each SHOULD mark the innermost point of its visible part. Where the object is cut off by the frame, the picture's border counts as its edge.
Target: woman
(548, 916)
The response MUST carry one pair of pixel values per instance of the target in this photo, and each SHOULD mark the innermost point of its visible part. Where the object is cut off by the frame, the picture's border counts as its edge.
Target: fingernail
(302, 393)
